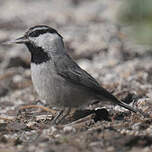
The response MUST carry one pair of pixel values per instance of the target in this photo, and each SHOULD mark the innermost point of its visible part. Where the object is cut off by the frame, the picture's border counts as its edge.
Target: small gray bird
(56, 77)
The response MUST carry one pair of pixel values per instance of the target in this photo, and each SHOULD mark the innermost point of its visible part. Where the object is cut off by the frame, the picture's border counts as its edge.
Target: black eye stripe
(36, 33)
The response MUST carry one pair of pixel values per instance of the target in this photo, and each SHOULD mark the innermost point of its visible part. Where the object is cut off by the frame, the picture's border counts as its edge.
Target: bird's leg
(61, 116)
(65, 115)
(55, 120)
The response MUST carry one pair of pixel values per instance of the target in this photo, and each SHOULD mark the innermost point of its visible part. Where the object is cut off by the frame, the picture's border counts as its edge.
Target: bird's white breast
(43, 78)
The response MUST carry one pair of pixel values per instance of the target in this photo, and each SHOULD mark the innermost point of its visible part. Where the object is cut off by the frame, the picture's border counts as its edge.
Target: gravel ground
(100, 45)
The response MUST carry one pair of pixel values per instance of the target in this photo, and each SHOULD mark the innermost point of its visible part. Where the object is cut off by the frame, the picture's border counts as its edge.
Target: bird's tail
(109, 97)
(132, 109)
(127, 107)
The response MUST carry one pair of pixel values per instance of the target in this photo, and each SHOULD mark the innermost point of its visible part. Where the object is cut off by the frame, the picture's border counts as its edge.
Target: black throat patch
(38, 55)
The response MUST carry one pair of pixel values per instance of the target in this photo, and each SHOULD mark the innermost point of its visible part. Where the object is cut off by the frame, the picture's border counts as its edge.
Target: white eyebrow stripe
(39, 28)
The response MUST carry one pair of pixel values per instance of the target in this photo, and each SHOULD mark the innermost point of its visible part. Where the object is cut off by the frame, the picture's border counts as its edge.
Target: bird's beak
(19, 40)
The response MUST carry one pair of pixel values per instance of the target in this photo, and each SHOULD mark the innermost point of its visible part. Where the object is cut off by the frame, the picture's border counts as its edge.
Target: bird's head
(41, 41)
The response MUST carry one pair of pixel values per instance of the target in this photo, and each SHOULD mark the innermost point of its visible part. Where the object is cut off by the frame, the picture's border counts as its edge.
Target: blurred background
(87, 26)
(110, 39)
(95, 34)
(137, 14)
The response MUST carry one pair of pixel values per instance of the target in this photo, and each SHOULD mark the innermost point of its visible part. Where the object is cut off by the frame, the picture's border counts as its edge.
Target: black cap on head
(37, 30)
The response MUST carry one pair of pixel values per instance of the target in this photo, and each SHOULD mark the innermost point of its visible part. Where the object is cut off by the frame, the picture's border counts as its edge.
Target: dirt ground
(99, 45)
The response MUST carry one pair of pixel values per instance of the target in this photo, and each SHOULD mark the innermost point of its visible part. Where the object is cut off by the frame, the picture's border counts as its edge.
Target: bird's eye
(34, 34)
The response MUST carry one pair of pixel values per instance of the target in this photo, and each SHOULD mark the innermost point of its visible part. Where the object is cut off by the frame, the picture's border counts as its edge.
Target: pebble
(68, 129)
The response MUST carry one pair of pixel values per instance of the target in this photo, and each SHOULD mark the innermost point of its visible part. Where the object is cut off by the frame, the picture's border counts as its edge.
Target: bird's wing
(68, 69)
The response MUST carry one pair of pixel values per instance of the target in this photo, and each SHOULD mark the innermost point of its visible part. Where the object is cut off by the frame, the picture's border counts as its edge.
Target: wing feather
(69, 70)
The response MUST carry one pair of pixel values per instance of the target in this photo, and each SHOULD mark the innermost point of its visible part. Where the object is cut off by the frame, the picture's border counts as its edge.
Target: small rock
(101, 114)
(43, 117)
(68, 129)
(31, 123)
(17, 78)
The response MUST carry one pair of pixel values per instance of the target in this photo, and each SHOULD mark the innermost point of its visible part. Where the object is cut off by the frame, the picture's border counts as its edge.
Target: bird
(57, 78)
